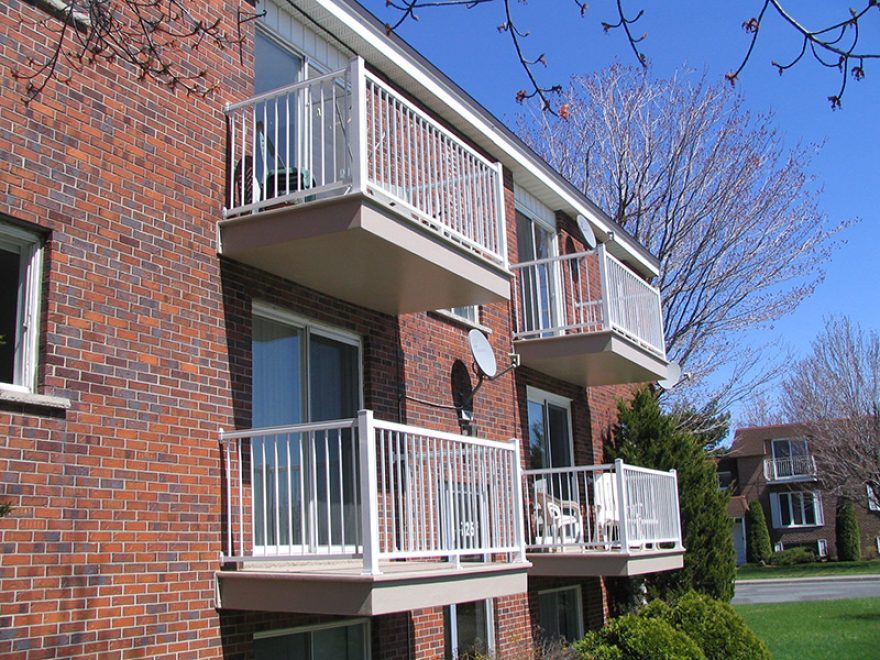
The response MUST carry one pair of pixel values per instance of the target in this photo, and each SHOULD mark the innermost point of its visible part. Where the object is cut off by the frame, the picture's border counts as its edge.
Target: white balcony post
(621, 505)
(358, 81)
(369, 492)
(501, 218)
(519, 514)
(678, 544)
(603, 281)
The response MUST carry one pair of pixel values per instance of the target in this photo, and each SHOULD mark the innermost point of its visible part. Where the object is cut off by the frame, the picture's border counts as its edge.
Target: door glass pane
(537, 281)
(277, 396)
(333, 393)
(278, 151)
(560, 437)
(538, 457)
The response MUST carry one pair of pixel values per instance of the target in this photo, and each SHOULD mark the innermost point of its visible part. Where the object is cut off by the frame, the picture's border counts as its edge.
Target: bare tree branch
(710, 189)
(835, 45)
(835, 393)
(153, 37)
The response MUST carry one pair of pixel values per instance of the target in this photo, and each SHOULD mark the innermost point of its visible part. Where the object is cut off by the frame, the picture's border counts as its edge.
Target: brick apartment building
(775, 466)
(239, 414)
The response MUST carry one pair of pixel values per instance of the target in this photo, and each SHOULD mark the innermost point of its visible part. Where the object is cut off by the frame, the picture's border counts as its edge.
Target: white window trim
(449, 315)
(579, 615)
(29, 244)
(822, 548)
(542, 396)
(361, 621)
(490, 628)
(776, 512)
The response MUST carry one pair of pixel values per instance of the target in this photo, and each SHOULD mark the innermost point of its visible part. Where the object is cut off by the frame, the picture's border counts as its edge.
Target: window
(791, 457)
(549, 419)
(822, 548)
(469, 313)
(21, 274)
(343, 641)
(303, 373)
(796, 509)
(469, 629)
(873, 499)
(560, 614)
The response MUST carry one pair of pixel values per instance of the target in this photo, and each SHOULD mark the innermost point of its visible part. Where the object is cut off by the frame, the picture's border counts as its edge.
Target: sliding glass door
(303, 483)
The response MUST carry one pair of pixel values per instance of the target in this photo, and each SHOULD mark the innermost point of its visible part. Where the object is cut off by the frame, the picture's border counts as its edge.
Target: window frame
(29, 245)
(579, 615)
(451, 623)
(308, 629)
(543, 397)
(776, 504)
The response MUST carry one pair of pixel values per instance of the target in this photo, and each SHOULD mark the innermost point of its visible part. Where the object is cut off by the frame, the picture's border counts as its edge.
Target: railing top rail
(287, 89)
(574, 468)
(288, 428)
(434, 124)
(509, 445)
(644, 470)
(549, 260)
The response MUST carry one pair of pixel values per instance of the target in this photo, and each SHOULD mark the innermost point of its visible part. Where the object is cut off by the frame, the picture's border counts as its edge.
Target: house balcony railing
(369, 490)
(347, 131)
(793, 468)
(601, 508)
(584, 293)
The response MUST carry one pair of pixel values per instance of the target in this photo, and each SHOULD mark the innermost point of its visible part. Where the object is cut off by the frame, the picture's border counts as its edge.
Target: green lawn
(818, 629)
(754, 571)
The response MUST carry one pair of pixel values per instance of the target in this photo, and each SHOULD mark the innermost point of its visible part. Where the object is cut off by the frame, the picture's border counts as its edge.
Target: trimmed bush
(849, 547)
(715, 626)
(633, 637)
(791, 556)
(758, 548)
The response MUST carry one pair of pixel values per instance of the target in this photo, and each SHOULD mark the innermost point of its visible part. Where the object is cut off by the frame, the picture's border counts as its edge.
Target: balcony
(341, 184)
(602, 520)
(364, 517)
(588, 319)
(789, 469)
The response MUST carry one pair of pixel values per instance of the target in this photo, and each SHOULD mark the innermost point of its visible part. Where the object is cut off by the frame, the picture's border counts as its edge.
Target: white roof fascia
(636, 253)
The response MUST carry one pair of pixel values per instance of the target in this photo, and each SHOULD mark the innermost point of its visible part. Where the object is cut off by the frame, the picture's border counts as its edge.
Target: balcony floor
(366, 252)
(589, 360)
(579, 563)
(339, 587)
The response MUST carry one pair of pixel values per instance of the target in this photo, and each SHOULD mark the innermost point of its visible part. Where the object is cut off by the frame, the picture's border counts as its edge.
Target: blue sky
(704, 36)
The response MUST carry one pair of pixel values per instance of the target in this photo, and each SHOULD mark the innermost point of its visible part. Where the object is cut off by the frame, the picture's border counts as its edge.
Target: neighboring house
(775, 466)
(238, 414)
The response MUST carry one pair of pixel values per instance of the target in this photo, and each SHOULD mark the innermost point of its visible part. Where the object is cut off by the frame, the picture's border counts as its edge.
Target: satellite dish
(586, 232)
(673, 375)
(482, 352)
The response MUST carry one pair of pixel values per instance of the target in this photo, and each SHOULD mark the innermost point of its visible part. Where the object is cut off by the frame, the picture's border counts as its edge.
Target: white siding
(286, 25)
(531, 206)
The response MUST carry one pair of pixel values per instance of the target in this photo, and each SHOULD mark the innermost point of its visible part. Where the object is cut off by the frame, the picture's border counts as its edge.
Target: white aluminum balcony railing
(363, 488)
(348, 131)
(789, 468)
(601, 508)
(585, 293)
